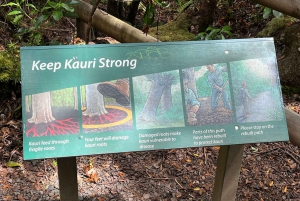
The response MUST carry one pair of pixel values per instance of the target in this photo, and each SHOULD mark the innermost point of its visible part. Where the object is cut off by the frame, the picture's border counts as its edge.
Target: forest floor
(269, 171)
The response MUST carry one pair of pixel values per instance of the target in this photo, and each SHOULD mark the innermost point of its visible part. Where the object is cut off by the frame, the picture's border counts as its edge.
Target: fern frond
(185, 6)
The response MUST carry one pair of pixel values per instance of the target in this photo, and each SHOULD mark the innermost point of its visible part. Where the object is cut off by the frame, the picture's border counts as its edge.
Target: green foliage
(267, 12)
(23, 12)
(290, 90)
(54, 163)
(10, 64)
(185, 6)
(149, 14)
(213, 33)
(62, 98)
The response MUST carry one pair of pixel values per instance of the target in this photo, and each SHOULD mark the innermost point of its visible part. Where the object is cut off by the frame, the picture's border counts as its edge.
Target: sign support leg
(67, 177)
(228, 172)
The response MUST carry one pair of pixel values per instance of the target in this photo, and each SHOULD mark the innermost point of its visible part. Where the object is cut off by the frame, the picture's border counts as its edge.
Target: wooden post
(67, 177)
(228, 172)
(293, 123)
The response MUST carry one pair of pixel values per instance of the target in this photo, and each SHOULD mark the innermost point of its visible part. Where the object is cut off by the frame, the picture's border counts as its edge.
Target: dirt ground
(269, 171)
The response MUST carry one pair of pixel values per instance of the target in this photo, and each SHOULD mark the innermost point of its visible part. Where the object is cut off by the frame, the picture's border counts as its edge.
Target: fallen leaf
(285, 189)
(216, 147)
(271, 183)
(21, 198)
(13, 164)
(100, 199)
(121, 174)
(293, 165)
(197, 189)
(188, 160)
(36, 186)
(7, 197)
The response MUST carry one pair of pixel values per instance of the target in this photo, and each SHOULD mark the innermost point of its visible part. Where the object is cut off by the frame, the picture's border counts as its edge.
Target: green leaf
(222, 37)
(277, 14)
(15, 12)
(52, 4)
(40, 20)
(31, 5)
(213, 33)
(267, 12)
(209, 28)
(10, 4)
(199, 36)
(68, 8)
(22, 30)
(226, 28)
(46, 8)
(13, 164)
(57, 15)
(70, 14)
(178, 2)
(228, 32)
(149, 14)
(17, 18)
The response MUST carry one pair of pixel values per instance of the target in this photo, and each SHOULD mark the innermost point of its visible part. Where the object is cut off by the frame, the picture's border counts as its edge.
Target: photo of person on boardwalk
(256, 90)
(245, 98)
(218, 88)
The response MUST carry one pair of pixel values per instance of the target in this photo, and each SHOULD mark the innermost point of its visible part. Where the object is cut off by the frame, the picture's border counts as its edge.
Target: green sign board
(95, 99)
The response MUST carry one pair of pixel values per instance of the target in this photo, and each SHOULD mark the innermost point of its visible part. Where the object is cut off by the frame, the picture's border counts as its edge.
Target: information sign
(95, 99)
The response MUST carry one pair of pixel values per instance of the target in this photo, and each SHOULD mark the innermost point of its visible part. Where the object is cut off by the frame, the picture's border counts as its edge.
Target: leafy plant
(23, 11)
(267, 12)
(10, 64)
(213, 33)
(54, 163)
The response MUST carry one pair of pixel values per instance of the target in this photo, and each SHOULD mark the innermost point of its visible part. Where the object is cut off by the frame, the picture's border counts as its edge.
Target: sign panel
(94, 99)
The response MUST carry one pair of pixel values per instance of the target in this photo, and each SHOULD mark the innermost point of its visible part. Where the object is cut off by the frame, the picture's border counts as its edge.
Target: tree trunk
(41, 108)
(207, 10)
(159, 83)
(113, 8)
(132, 12)
(82, 28)
(75, 98)
(166, 99)
(192, 80)
(289, 7)
(111, 26)
(94, 101)
(27, 103)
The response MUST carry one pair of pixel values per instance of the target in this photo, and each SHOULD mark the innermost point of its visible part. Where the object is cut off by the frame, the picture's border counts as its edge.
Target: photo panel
(52, 113)
(158, 100)
(256, 89)
(106, 106)
(207, 95)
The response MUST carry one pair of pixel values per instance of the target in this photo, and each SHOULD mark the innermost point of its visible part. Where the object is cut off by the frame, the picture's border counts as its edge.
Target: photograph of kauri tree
(52, 113)
(158, 100)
